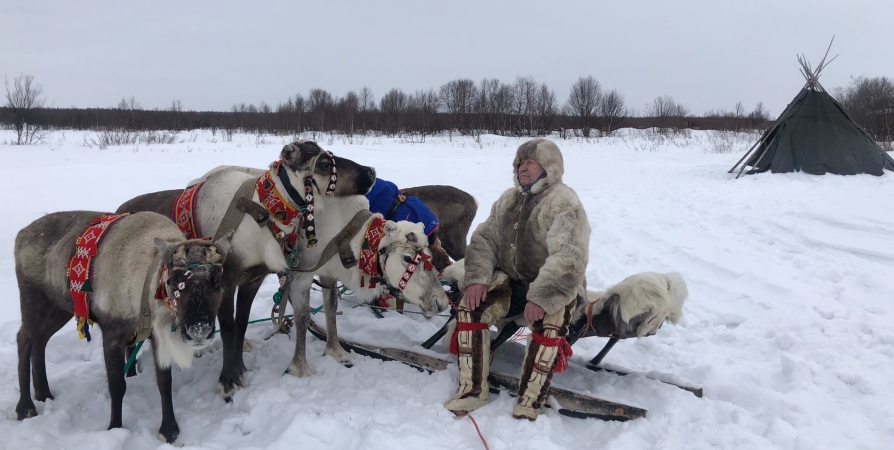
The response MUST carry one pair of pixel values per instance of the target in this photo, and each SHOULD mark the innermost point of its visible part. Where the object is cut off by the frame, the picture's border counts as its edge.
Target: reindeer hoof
(339, 354)
(169, 433)
(25, 412)
(227, 387)
(246, 345)
(43, 396)
(300, 371)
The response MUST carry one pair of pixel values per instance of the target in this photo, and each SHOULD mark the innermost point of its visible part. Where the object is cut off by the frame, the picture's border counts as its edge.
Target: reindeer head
(194, 285)
(339, 177)
(406, 267)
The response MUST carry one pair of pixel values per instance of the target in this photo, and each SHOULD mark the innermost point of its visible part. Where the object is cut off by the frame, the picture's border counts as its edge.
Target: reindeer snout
(199, 332)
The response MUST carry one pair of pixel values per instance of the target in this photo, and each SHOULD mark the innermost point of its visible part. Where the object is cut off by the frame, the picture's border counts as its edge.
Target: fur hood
(545, 152)
(540, 237)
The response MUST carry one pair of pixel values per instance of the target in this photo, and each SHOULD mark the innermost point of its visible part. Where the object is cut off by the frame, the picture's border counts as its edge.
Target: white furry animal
(639, 304)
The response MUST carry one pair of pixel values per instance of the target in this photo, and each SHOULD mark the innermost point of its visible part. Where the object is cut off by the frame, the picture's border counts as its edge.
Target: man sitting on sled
(538, 234)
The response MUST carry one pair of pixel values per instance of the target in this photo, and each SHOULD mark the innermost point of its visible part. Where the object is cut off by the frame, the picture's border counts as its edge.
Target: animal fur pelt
(637, 306)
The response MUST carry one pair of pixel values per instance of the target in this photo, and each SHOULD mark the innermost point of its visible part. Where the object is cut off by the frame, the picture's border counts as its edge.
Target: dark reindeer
(455, 210)
(132, 252)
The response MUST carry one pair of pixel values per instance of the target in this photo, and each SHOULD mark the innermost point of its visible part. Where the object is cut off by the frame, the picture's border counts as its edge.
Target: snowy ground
(789, 326)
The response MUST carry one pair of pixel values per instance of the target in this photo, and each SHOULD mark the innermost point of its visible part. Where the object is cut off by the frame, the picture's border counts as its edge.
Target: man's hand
(473, 296)
(533, 311)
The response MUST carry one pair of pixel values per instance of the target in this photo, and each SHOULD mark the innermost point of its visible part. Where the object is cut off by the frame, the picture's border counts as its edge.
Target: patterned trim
(183, 211)
(80, 268)
(369, 256)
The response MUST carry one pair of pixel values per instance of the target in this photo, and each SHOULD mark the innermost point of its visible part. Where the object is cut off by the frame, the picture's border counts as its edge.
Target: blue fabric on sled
(381, 198)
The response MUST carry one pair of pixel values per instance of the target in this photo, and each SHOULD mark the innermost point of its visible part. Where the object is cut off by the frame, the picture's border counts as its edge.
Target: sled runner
(572, 404)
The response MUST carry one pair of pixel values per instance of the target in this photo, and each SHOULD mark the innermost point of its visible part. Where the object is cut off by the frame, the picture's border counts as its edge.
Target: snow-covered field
(789, 326)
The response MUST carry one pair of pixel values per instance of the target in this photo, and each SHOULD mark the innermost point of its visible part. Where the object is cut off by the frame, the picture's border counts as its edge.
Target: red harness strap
(183, 211)
(369, 255)
(279, 209)
(464, 326)
(270, 197)
(80, 268)
(564, 349)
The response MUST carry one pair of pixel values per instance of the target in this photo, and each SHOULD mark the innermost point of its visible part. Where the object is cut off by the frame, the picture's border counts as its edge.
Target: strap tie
(464, 326)
(564, 349)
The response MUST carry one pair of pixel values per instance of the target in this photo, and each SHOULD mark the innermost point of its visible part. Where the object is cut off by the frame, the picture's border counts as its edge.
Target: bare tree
(176, 114)
(366, 103)
(759, 116)
(458, 99)
(547, 109)
(503, 99)
(350, 105)
(485, 106)
(394, 106)
(422, 107)
(129, 104)
(611, 111)
(586, 93)
(319, 101)
(23, 100)
(665, 113)
(740, 114)
(870, 101)
(525, 103)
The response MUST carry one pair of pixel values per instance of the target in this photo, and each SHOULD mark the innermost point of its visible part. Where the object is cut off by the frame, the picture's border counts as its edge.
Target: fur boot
(474, 364)
(539, 363)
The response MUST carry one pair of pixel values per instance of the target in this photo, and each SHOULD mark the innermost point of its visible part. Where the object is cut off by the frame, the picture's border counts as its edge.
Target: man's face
(529, 171)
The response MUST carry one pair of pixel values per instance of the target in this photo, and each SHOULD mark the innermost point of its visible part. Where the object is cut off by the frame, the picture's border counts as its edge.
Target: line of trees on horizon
(523, 107)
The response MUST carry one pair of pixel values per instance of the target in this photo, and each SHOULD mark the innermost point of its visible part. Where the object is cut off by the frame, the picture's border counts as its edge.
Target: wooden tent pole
(748, 152)
(761, 157)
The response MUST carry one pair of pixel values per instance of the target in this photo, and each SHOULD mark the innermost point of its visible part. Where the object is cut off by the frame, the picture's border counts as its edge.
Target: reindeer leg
(113, 351)
(244, 298)
(300, 298)
(132, 371)
(40, 320)
(25, 408)
(230, 376)
(169, 429)
(52, 322)
(330, 307)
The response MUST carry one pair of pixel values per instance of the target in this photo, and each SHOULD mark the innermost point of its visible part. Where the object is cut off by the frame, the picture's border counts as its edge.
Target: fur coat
(540, 237)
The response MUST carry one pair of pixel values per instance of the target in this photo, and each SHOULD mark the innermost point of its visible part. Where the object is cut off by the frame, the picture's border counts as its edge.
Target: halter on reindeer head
(306, 161)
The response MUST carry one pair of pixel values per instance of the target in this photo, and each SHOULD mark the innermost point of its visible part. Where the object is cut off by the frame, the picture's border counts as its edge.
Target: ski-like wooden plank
(697, 391)
(571, 404)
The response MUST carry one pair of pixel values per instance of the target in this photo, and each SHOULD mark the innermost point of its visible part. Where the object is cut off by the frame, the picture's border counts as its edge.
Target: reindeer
(256, 252)
(454, 208)
(127, 266)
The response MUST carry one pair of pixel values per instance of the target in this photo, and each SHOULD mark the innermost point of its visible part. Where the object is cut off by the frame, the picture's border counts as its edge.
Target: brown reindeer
(128, 262)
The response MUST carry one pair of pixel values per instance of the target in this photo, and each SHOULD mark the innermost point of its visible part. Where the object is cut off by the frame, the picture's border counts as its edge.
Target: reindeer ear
(390, 227)
(168, 251)
(308, 148)
(289, 152)
(164, 249)
(224, 244)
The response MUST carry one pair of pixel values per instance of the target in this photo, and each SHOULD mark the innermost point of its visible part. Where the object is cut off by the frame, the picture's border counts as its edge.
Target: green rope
(133, 355)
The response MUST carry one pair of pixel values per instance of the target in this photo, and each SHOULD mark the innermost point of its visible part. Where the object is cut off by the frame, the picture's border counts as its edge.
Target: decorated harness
(80, 268)
(372, 258)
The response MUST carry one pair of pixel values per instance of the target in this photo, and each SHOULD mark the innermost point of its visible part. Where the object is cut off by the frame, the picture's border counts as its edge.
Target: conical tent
(815, 135)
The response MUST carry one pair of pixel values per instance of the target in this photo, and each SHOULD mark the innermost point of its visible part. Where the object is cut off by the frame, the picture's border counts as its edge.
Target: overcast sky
(706, 54)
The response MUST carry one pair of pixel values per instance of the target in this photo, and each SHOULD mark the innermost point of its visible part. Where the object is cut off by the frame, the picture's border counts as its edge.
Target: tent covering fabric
(815, 135)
